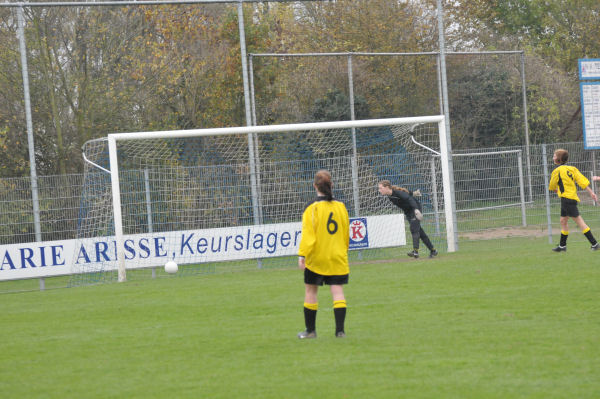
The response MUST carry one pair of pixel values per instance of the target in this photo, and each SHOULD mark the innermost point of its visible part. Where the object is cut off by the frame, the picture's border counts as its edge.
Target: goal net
(234, 197)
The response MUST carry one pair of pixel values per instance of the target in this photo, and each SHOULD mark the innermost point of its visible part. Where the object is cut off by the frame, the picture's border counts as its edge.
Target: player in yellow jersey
(564, 182)
(323, 254)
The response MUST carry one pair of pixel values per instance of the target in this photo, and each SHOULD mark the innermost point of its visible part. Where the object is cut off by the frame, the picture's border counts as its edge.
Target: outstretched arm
(596, 178)
(592, 194)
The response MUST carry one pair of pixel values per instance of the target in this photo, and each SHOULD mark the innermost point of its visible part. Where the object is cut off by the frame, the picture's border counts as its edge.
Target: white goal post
(275, 161)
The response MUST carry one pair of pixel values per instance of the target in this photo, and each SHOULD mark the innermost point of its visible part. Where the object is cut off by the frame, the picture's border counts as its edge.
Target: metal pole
(248, 112)
(117, 214)
(593, 186)
(255, 136)
(148, 200)
(362, 53)
(28, 119)
(434, 193)
(128, 3)
(149, 208)
(522, 188)
(252, 94)
(593, 172)
(439, 83)
(447, 187)
(355, 192)
(448, 140)
(252, 152)
(30, 143)
(525, 118)
(546, 182)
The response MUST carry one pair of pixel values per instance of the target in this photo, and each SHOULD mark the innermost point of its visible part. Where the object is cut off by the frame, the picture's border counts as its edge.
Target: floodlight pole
(253, 155)
(448, 136)
(28, 119)
(355, 192)
(251, 82)
(526, 123)
(252, 152)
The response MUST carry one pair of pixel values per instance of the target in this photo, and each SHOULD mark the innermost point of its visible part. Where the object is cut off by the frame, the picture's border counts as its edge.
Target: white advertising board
(589, 68)
(54, 258)
(590, 112)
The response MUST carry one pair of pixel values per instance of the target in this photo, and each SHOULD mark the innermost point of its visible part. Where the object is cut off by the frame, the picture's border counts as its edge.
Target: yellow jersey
(325, 237)
(563, 181)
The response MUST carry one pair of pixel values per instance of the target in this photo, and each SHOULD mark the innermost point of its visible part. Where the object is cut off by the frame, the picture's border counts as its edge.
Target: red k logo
(357, 230)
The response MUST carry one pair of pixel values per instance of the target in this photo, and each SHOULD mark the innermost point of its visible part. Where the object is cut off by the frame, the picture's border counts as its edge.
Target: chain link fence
(491, 186)
(497, 197)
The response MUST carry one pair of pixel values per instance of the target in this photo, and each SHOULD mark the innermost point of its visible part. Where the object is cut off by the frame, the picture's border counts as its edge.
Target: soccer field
(510, 321)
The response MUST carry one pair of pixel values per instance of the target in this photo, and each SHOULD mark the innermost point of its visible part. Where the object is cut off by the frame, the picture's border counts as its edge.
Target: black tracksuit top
(404, 201)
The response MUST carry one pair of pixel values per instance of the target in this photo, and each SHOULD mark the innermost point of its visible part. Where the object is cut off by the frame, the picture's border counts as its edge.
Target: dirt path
(507, 232)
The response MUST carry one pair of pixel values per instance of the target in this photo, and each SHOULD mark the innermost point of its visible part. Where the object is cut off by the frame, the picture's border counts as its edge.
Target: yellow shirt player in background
(564, 182)
(323, 254)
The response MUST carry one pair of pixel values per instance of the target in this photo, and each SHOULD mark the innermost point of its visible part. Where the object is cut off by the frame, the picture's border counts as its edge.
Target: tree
(13, 130)
(555, 34)
(485, 106)
(287, 88)
(335, 106)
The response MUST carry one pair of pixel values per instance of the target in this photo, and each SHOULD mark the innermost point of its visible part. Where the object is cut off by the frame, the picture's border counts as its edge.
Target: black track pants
(417, 233)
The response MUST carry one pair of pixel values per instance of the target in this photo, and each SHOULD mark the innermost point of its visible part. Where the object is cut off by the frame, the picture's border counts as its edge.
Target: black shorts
(313, 278)
(568, 207)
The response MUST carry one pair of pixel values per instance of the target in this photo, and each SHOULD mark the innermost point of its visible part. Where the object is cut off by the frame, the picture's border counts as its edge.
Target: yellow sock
(339, 304)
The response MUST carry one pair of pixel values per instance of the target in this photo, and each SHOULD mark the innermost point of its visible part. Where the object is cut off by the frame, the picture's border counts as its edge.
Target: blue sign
(359, 233)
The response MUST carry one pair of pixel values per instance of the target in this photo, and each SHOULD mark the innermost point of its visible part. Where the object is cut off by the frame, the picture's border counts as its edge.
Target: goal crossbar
(275, 128)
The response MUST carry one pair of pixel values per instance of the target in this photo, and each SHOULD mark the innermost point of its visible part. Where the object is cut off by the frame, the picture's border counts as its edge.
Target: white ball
(171, 267)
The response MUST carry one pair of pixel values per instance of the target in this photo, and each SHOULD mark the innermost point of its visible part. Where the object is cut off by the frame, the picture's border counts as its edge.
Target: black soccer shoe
(560, 249)
(307, 334)
(413, 254)
(596, 246)
(433, 253)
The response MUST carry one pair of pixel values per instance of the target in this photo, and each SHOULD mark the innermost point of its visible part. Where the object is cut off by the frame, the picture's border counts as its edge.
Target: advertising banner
(54, 258)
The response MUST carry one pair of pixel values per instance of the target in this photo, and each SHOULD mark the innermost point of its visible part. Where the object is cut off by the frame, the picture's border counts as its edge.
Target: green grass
(512, 216)
(485, 322)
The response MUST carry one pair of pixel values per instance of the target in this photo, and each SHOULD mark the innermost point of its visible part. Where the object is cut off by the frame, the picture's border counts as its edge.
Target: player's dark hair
(562, 156)
(323, 184)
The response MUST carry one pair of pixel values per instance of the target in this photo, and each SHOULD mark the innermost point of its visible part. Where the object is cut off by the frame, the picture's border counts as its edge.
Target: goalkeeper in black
(404, 200)
(564, 182)
(323, 254)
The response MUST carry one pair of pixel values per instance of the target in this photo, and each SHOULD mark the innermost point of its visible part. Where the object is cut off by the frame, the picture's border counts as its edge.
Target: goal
(212, 196)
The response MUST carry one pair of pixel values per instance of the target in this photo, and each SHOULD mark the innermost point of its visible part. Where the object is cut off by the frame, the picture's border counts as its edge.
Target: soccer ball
(171, 267)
